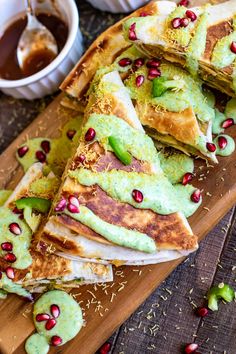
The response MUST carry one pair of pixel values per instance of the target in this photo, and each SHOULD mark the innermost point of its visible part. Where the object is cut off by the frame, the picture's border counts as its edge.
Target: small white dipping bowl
(47, 80)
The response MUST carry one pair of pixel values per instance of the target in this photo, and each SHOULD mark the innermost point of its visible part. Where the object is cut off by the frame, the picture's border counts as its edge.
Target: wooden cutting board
(107, 306)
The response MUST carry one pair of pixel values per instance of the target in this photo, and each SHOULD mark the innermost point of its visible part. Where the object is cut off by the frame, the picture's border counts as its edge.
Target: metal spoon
(35, 37)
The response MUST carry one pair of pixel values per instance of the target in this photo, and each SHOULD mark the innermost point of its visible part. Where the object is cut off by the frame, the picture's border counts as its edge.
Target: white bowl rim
(54, 64)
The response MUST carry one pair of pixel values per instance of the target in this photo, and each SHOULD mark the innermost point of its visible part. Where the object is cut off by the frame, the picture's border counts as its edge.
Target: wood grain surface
(166, 320)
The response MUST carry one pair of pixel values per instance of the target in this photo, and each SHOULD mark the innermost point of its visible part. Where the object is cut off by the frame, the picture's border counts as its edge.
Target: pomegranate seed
(45, 145)
(222, 142)
(191, 15)
(10, 272)
(55, 310)
(17, 211)
(40, 156)
(56, 340)
(139, 62)
(125, 62)
(15, 228)
(228, 123)
(143, 14)
(184, 22)
(73, 200)
(187, 178)
(233, 47)
(132, 33)
(50, 324)
(70, 133)
(6, 246)
(72, 208)
(22, 151)
(137, 196)
(90, 135)
(183, 3)
(191, 348)
(153, 73)
(42, 317)
(176, 22)
(140, 80)
(61, 205)
(153, 63)
(202, 311)
(81, 158)
(196, 195)
(211, 147)
(105, 348)
(10, 257)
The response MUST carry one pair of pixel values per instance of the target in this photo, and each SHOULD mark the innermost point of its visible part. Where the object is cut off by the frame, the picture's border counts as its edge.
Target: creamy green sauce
(134, 141)
(157, 190)
(230, 109)
(197, 44)
(8, 286)
(116, 234)
(229, 149)
(131, 53)
(175, 166)
(70, 320)
(37, 344)
(44, 187)
(183, 193)
(222, 56)
(4, 195)
(210, 97)
(20, 242)
(217, 122)
(61, 148)
(182, 35)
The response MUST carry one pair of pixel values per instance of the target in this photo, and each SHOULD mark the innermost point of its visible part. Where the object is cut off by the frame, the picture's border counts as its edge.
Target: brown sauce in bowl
(9, 68)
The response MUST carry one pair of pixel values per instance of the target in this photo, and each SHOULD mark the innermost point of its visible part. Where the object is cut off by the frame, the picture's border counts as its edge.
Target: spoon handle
(29, 7)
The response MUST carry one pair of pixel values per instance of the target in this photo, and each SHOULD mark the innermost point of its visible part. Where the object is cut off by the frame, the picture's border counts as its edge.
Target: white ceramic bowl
(117, 6)
(47, 80)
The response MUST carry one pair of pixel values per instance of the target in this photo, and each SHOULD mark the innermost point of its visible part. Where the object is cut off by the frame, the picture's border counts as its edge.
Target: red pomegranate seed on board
(153, 73)
(139, 62)
(202, 311)
(125, 62)
(191, 348)
(153, 63)
(222, 142)
(187, 178)
(132, 33)
(50, 324)
(105, 348)
(183, 3)
(22, 151)
(211, 147)
(176, 22)
(90, 134)
(71, 133)
(56, 340)
(140, 80)
(6, 246)
(196, 196)
(184, 22)
(55, 310)
(73, 208)
(46, 146)
(60, 205)
(15, 228)
(40, 317)
(40, 156)
(10, 272)
(10, 257)
(191, 15)
(137, 195)
(233, 47)
(228, 123)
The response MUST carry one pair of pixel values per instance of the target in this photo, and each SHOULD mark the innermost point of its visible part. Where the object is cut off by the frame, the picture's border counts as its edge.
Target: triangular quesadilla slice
(200, 39)
(115, 204)
(22, 265)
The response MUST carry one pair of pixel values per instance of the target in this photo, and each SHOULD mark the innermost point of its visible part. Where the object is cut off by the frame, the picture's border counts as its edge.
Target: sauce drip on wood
(9, 68)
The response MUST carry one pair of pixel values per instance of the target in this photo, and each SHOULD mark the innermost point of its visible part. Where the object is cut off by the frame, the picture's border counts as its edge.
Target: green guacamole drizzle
(8, 286)
(229, 149)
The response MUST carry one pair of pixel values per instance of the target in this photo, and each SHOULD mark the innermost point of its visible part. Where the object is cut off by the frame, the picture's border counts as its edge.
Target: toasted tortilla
(74, 239)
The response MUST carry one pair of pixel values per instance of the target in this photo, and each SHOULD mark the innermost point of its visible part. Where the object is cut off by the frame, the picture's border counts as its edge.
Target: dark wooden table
(167, 320)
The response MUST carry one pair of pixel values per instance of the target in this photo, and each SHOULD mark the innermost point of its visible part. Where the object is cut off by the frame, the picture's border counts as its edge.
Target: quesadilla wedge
(200, 39)
(115, 204)
(22, 266)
